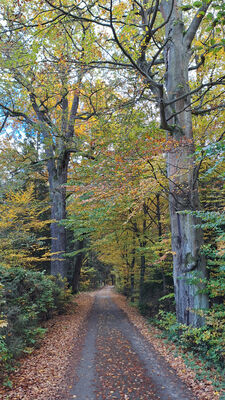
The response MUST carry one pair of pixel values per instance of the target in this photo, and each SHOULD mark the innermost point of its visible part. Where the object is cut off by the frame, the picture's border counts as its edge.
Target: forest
(112, 160)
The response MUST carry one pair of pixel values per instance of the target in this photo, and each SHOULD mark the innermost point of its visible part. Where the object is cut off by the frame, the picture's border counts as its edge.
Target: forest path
(118, 363)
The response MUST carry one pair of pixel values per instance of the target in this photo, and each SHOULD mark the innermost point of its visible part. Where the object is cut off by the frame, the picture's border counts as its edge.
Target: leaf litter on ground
(203, 390)
(44, 374)
(47, 373)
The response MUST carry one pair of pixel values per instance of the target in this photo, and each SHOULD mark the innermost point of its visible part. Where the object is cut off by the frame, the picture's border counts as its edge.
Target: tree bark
(159, 226)
(57, 183)
(132, 277)
(77, 268)
(186, 238)
(143, 259)
(142, 279)
(126, 281)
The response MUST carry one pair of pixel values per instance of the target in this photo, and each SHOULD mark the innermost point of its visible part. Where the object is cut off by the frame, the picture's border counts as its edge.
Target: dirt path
(94, 352)
(118, 363)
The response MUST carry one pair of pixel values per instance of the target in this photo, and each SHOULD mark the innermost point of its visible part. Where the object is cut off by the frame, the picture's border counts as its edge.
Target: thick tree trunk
(57, 180)
(186, 238)
(58, 232)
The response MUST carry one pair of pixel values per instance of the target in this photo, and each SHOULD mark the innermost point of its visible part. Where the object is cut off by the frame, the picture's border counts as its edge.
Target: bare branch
(220, 81)
(14, 113)
(208, 110)
(4, 122)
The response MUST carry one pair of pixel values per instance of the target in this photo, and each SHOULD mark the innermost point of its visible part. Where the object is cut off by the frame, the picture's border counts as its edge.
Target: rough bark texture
(186, 238)
(57, 181)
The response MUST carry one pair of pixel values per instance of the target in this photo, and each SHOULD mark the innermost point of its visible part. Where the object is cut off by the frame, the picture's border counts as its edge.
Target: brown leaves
(202, 389)
(42, 373)
(121, 373)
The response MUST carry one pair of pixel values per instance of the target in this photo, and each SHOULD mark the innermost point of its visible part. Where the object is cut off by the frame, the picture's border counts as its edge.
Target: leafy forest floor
(103, 349)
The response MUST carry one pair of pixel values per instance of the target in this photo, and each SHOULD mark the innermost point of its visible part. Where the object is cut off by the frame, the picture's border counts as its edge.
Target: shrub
(26, 299)
(207, 341)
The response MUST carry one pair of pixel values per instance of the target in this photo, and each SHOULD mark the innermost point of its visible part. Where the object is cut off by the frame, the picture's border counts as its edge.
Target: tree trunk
(186, 238)
(143, 243)
(142, 279)
(57, 183)
(159, 225)
(58, 236)
(132, 277)
(126, 281)
(77, 268)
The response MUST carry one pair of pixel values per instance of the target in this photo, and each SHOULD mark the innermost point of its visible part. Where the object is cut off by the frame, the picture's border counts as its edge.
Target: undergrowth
(26, 299)
(202, 348)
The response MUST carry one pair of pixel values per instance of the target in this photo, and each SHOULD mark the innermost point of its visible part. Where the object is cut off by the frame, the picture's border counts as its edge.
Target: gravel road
(118, 363)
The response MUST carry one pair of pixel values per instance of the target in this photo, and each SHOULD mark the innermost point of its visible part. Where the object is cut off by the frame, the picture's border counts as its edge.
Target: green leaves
(186, 7)
(197, 4)
(26, 299)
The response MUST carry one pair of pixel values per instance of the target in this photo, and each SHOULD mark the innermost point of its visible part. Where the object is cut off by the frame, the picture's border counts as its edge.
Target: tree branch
(13, 113)
(191, 31)
(4, 122)
(150, 81)
(208, 110)
(72, 117)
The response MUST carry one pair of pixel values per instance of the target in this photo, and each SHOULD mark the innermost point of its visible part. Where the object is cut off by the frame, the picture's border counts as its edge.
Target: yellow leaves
(81, 130)
(221, 246)
(28, 350)
(120, 8)
(20, 218)
(3, 323)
